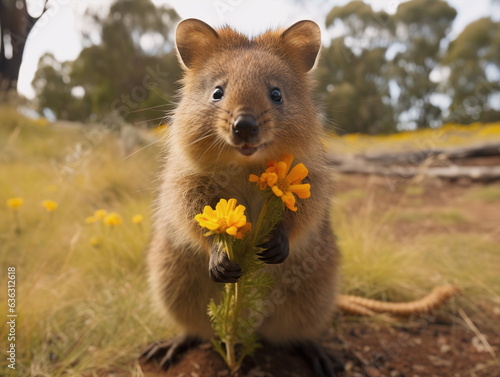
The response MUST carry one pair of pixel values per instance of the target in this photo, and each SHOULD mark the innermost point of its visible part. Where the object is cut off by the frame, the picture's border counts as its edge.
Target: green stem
(260, 220)
(17, 223)
(232, 316)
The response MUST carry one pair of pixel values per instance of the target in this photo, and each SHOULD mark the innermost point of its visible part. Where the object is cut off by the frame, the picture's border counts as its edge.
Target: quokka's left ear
(303, 41)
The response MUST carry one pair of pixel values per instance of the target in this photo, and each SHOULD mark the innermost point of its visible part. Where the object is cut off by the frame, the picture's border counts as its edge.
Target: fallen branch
(417, 157)
(475, 173)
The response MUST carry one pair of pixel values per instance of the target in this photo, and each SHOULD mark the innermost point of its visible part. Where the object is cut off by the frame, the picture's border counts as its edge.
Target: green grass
(414, 190)
(487, 194)
(442, 216)
(85, 308)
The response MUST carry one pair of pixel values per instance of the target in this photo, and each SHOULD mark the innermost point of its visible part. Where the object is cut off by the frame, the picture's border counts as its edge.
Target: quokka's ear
(195, 40)
(303, 41)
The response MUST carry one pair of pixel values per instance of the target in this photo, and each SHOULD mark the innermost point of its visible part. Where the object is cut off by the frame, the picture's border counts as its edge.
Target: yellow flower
(226, 218)
(113, 219)
(90, 220)
(95, 241)
(49, 205)
(15, 203)
(100, 214)
(283, 181)
(137, 219)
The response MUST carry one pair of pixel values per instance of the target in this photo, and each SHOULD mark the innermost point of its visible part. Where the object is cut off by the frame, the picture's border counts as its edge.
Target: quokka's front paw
(221, 269)
(277, 248)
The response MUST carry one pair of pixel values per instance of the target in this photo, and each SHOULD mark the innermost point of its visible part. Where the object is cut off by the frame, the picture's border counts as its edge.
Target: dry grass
(82, 306)
(82, 288)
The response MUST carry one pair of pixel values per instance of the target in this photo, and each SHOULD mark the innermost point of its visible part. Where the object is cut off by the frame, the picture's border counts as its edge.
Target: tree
(421, 26)
(15, 25)
(130, 67)
(352, 70)
(474, 81)
(52, 85)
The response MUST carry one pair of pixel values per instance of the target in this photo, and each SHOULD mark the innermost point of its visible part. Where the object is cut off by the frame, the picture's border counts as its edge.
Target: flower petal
(231, 205)
(232, 230)
(271, 166)
(205, 222)
(221, 208)
(277, 191)
(210, 214)
(297, 174)
(272, 178)
(282, 169)
(287, 158)
(303, 191)
(254, 178)
(289, 201)
(236, 217)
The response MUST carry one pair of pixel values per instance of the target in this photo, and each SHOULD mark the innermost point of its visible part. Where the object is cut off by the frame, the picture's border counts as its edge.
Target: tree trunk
(15, 26)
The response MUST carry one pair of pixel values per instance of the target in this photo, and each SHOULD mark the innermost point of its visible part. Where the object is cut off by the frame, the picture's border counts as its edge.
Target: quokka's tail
(364, 306)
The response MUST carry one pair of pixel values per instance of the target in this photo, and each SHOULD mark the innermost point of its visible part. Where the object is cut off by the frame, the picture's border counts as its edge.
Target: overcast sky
(59, 30)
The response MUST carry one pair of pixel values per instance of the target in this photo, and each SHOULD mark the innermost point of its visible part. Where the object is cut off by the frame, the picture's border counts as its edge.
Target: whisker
(141, 149)
(149, 108)
(203, 137)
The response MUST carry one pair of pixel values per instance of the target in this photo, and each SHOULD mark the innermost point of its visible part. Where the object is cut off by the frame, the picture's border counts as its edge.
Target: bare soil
(444, 345)
(371, 349)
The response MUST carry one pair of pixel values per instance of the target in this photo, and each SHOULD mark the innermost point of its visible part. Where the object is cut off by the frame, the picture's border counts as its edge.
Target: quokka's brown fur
(203, 164)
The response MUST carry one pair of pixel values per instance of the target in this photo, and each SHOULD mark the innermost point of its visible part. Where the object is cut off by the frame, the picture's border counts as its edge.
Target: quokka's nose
(245, 127)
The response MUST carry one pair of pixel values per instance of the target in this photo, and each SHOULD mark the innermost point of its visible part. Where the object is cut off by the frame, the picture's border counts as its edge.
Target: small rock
(443, 348)
(348, 366)
(194, 374)
(195, 365)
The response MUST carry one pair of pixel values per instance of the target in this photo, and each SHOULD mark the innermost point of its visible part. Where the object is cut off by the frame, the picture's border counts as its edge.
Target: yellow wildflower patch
(14, 203)
(112, 219)
(49, 205)
(137, 219)
(100, 214)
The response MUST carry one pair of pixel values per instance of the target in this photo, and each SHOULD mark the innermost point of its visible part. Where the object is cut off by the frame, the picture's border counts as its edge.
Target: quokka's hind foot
(169, 352)
(322, 361)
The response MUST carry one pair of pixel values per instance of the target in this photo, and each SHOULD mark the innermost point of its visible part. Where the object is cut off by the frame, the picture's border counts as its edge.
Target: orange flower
(284, 182)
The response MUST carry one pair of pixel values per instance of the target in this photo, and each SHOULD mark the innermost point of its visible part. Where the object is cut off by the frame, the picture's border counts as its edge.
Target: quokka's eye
(275, 95)
(217, 94)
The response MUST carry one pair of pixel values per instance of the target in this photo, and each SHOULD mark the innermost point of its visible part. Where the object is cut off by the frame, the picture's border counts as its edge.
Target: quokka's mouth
(247, 150)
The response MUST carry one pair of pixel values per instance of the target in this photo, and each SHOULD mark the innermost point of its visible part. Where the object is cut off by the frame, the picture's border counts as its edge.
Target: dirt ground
(417, 348)
(444, 345)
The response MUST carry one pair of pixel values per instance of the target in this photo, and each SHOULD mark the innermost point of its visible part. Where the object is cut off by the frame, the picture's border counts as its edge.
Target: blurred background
(387, 65)
(410, 95)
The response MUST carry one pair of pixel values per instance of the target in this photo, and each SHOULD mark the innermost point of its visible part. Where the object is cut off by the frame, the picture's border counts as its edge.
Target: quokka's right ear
(195, 40)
